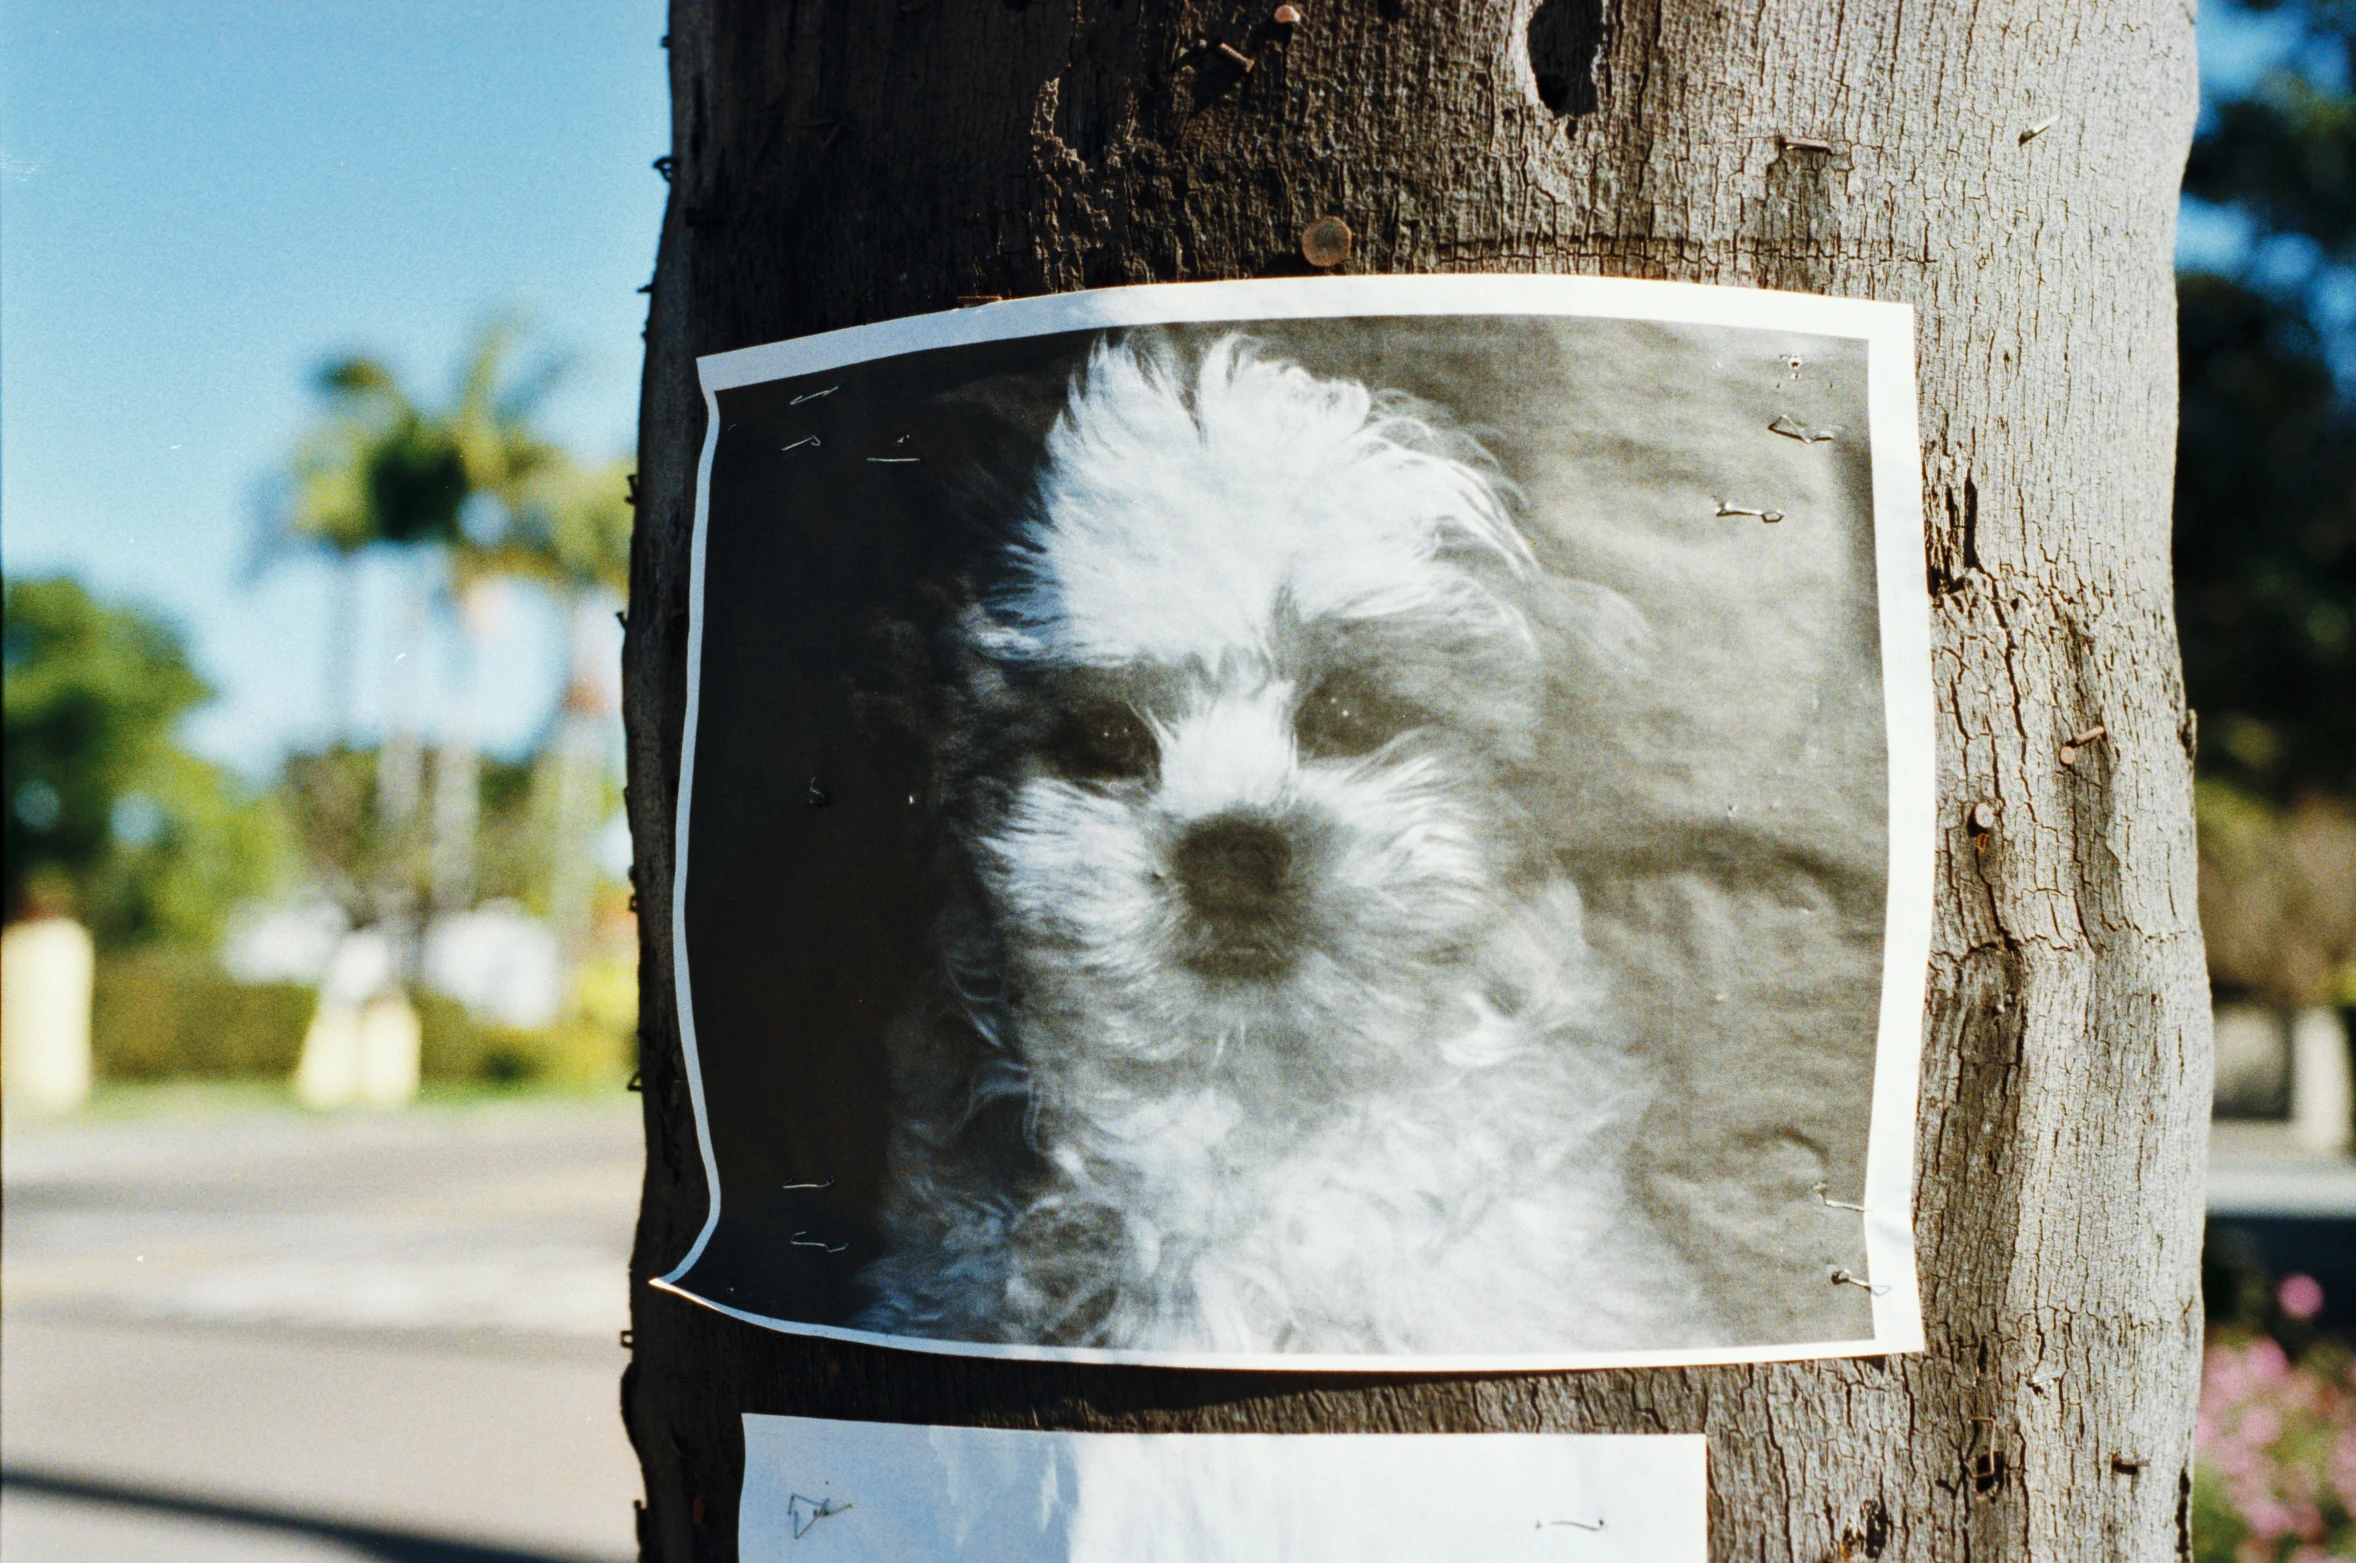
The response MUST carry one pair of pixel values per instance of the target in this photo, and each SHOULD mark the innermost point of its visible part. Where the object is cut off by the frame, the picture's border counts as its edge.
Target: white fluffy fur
(1410, 1138)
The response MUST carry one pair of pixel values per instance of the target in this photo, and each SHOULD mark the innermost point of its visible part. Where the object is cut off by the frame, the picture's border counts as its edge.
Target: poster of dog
(1337, 822)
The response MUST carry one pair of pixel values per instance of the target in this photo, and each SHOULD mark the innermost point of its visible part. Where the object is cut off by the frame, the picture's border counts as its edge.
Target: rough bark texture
(839, 162)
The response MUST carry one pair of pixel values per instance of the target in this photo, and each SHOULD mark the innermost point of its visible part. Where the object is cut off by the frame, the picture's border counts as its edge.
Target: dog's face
(1271, 672)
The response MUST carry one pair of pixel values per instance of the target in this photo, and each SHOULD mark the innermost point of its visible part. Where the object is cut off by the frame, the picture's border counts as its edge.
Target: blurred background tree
(382, 469)
(2266, 475)
(107, 816)
(476, 505)
(219, 903)
(2266, 512)
(568, 529)
(2266, 607)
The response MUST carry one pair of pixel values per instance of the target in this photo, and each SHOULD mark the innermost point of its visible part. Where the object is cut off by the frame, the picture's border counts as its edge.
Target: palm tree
(568, 527)
(382, 470)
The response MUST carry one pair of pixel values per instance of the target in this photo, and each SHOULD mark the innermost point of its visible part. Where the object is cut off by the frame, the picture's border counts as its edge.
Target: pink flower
(2299, 1296)
(2260, 1426)
(2278, 1443)
(2343, 1467)
(2233, 1372)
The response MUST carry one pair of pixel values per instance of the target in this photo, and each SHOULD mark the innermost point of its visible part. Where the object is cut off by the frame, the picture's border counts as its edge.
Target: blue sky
(202, 199)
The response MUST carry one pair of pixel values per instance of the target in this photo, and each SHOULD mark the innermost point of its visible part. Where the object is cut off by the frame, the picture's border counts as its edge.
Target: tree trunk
(2010, 169)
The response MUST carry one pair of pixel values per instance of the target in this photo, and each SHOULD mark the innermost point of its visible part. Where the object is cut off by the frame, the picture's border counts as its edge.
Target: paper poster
(1371, 822)
(881, 1492)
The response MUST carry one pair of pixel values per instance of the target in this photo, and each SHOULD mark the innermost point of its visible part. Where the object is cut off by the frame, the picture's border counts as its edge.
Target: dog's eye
(1345, 717)
(1103, 741)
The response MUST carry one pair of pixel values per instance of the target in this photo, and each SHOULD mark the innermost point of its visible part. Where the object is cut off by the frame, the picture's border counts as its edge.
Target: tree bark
(2010, 169)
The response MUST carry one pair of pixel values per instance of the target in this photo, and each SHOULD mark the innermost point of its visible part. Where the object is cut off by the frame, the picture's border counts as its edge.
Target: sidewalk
(235, 1331)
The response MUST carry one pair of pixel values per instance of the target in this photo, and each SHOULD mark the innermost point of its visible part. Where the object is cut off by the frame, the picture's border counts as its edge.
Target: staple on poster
(1785, 424)
(1837, 1204)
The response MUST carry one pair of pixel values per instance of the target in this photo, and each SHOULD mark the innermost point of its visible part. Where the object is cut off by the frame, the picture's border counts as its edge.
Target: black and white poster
(1339, 822)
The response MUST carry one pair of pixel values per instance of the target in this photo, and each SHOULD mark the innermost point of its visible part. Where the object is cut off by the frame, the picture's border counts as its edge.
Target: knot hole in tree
(1565, 38)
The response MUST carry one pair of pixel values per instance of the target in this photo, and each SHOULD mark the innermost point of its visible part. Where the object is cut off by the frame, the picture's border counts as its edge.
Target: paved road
(242, 1332)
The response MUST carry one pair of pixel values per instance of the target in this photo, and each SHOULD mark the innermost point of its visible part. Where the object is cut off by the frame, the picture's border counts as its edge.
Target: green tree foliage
(105, 811)
(2266, 469)
(472, 480)
(383, 467)
(2266, 542)
(2286, 154)
(328, 800)
(567, 526)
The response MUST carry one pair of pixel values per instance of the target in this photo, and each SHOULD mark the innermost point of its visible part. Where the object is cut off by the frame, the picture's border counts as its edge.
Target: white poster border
(1886, 329)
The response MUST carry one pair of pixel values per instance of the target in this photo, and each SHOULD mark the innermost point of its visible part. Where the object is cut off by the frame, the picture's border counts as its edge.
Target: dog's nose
(1232, 865)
